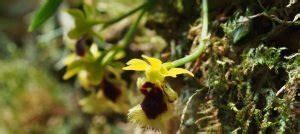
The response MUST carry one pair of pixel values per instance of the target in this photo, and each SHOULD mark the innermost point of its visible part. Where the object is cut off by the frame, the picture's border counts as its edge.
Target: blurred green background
(33, 98)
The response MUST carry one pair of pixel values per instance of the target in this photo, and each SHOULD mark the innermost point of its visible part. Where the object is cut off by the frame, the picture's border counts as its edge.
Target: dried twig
(185, 109)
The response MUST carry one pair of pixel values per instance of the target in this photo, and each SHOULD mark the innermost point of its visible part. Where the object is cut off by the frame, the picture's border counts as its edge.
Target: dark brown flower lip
(81, 44)
(79, 47)
(153, 104)
(111, 91)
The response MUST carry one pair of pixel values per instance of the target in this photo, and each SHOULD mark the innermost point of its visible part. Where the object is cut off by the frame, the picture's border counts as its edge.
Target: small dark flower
(111, 91)
(79, 47)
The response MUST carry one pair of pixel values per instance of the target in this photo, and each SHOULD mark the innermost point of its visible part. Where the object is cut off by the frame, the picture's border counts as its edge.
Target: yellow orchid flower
(155, 70)
(157, 106)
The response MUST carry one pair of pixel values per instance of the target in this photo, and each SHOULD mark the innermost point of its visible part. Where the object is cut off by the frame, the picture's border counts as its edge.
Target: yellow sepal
(136, 64)
(155, 63)
(155, 71)
(173, 72)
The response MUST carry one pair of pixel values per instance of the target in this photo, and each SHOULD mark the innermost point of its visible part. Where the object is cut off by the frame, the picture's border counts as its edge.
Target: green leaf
(45, 12)
(240, 32)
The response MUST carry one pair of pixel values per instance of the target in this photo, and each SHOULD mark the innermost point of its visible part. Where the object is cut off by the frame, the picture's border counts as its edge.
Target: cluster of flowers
(108, 90)
(99, 72)
(109, 95)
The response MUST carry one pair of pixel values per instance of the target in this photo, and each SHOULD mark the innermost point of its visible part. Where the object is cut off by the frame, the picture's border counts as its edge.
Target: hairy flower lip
(155, 110)
(153, 104)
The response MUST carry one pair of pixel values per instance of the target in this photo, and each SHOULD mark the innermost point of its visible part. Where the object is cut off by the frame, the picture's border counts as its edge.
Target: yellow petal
(94, 51)
(69, 59)
(71, 72)
(83, 79)
(175, 71)
(136, 64)
(73, 68)
(155, 63)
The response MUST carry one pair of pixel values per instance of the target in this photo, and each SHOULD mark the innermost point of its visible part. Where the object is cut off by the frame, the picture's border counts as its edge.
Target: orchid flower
(157, 107)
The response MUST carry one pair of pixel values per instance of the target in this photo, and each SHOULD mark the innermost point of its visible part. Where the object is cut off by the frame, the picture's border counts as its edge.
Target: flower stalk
(113, 21)
(202, 42)
(128, 37)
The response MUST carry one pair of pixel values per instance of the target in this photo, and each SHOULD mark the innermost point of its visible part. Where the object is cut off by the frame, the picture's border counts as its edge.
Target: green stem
(202, 43)
(127, 38)
(113, 21)
(129, 35)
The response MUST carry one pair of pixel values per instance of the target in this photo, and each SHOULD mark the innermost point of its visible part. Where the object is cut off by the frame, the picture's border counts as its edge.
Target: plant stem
(127, 38)
(113, 21)
(129, 35)
(202, 42)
